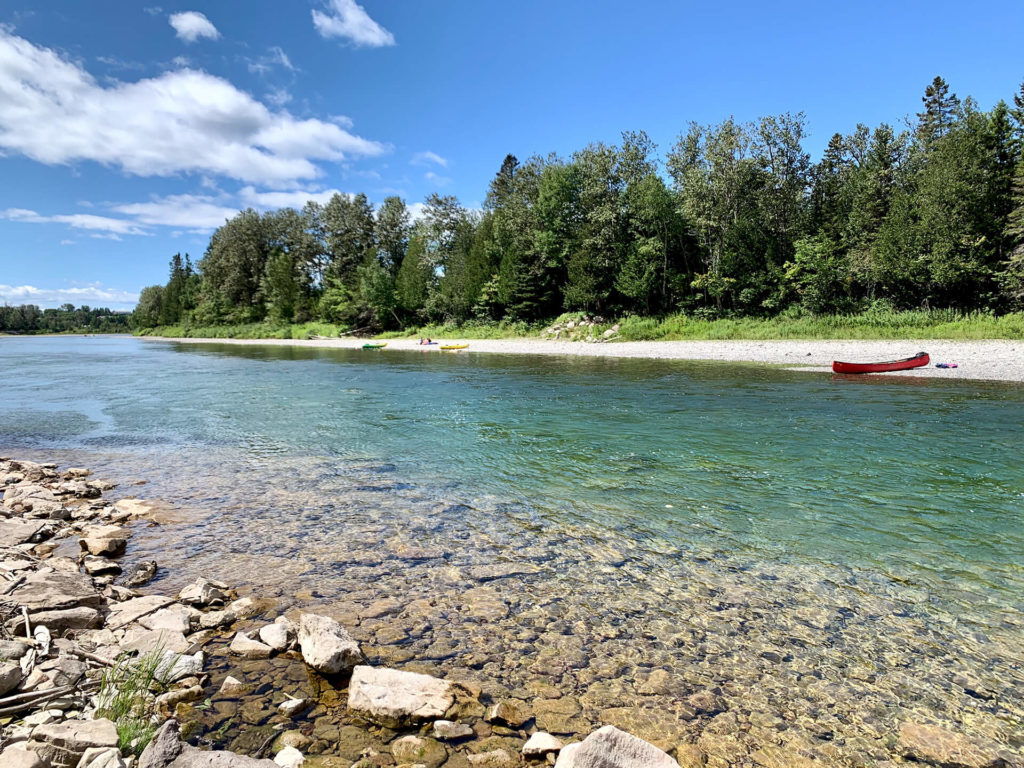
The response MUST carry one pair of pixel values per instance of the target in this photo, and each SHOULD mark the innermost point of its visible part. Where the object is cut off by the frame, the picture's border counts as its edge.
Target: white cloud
(416, 210)
(276, 57)
(347, 19)
(278, 97)
(67, 242)
(153, 10)
(54, 112)
(91, 293)
(439, 180)
(297, 199)
(192, 25)
(85, 221)
(425, 158)
(196, 212)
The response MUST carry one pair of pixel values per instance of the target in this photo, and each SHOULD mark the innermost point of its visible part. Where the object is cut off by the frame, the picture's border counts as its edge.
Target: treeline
(28, 318)
(738, 222)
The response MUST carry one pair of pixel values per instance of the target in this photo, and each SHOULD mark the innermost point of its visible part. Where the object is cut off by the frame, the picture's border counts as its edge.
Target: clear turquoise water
(674, 516)
(918, 479)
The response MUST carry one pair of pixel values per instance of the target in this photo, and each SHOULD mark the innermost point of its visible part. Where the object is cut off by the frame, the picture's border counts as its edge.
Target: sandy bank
(998, 360)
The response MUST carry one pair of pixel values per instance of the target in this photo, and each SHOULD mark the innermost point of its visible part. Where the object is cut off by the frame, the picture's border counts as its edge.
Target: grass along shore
(875, 324)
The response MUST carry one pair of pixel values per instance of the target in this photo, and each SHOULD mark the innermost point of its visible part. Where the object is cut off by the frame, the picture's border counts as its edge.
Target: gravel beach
(995, 360)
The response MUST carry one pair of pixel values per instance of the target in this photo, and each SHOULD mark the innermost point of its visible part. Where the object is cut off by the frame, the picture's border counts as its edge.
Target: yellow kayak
(375, 345)
(454, 346)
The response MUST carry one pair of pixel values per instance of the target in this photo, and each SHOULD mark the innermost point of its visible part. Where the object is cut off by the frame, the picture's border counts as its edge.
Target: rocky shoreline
(288, 689)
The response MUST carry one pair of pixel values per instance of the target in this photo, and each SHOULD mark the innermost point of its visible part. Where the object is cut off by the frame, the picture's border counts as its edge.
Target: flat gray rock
(122, 614)
(15, 532)
(56, 591)
(326, 646)
(63, 744)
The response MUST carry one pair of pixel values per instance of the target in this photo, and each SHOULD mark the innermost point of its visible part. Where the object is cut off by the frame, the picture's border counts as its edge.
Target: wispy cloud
(85, 221)
(275, 57)
(192, 211)
(426, 158)
(54, 112)
(441, 181)
(297, 199)
(90, 293)
(349, 20)
(192, 25)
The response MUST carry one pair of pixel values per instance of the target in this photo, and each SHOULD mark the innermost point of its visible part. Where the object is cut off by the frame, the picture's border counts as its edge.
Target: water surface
(851, 548)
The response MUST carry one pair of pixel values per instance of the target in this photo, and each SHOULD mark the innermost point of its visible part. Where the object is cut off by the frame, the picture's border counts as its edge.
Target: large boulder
(326, 646)
(63, 744)
(609, 747)
(394, 698)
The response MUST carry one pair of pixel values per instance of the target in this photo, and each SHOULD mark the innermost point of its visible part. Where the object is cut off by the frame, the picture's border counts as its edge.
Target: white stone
(609, 747)
(392, 697)
(177, 618)
(233, 687)
(19, 757)
(540, 744)
(101, 757)
(276, 636)
(292, 707)
(244, 646)
(204, 592)
(326, 646)
(289, 757)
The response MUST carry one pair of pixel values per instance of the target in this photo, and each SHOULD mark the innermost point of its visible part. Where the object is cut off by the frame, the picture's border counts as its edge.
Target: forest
(735, 220)
(28, 318)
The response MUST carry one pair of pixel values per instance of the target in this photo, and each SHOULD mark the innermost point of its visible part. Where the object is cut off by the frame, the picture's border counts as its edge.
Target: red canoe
(921, 358)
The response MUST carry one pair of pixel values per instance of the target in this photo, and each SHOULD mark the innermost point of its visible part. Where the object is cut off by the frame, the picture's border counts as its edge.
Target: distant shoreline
(986, 360)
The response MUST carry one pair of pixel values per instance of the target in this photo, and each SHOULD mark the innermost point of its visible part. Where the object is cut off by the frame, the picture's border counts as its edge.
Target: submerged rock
(139, 574)
(416, 750)
(947, 749)
(394, 698)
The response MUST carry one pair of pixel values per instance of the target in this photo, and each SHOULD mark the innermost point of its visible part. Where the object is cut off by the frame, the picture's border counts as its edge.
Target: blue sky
(128, 132)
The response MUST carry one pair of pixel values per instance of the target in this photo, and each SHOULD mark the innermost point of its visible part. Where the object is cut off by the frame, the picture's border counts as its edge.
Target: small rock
(101, 757)
(244, 646)
(105, 540)
(510, 712)
(205, 592)
(413, 749)
(97, 566)
(276, 636)
(215, 619)
(139, 574)
(446, 730)
(176, 618)
(540, 744)
(10, 677)
(289, 757)
(497, 758)
(233, 687)
(292, 707)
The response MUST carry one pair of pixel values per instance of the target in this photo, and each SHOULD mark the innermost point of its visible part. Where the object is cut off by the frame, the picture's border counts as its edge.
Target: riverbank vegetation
(732, 226)
(28, 318)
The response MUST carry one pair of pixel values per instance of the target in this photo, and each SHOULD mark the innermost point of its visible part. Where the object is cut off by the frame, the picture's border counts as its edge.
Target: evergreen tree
(940, 108)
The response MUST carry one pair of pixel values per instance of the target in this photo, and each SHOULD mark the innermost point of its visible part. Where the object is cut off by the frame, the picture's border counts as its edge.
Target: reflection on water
(828, 553)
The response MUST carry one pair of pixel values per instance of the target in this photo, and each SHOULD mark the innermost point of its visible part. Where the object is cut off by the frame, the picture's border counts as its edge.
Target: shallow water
(837, 555)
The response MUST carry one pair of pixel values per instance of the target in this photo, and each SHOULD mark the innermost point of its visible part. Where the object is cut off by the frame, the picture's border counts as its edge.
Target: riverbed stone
(510, 712)
(937, 746)
(101, 757)
(446, 730)
(413, 749)
(63, 744)
(496, 758)
(17, 756)
(150, 640)
(174, 618)
(123, 614)
(608, 747)
(392, 697)
(276, 636)
(139, 574)
(203, 593)
(58, 621)
(56, 590)
(244, 646)
(99, 566)
(326, 646)
(541, 744)
(289, 757)
(216, 619)
(105, 540)
(10, 676)
(15, 532)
